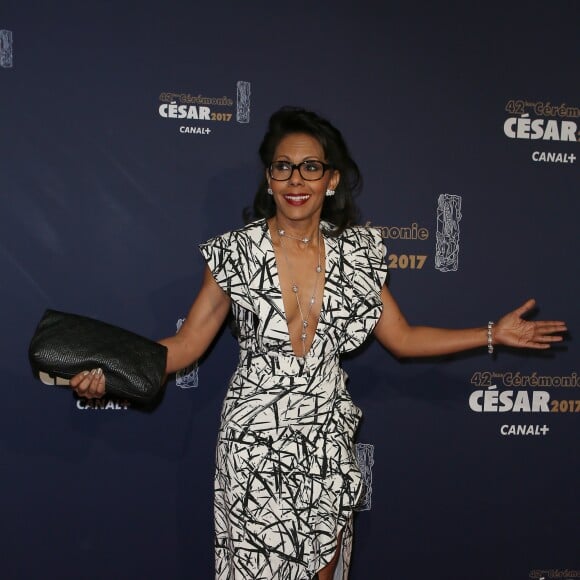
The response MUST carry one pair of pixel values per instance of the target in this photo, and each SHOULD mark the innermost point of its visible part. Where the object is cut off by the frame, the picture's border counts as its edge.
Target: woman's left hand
(513, 330)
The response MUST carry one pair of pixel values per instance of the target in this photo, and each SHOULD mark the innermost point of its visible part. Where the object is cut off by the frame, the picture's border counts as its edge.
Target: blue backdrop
(128, 135)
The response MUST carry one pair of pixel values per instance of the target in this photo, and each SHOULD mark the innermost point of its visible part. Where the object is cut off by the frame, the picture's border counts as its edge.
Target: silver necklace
(283, 234)
(295, 289)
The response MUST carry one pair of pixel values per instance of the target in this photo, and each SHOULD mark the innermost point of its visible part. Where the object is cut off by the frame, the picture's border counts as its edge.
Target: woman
(304, 286)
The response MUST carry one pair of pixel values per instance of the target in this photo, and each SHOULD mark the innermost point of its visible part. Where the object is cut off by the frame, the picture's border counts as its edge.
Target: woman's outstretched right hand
(89, 384)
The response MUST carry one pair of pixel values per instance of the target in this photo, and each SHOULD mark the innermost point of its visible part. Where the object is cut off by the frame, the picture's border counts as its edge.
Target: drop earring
(330, 192)
(270, 192)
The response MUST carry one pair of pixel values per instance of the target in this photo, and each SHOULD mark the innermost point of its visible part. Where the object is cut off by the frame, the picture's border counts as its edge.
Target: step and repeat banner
(129, 135)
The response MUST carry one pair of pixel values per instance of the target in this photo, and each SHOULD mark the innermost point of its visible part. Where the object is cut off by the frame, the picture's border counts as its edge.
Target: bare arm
(404, 340)
(203, 322)
(205, 318)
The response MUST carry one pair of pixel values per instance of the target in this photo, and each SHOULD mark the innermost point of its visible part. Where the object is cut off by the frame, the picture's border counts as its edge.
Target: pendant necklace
(305, 319)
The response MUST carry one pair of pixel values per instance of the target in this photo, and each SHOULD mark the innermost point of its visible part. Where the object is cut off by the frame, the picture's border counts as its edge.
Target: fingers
(546, 325)
(90, 385)
(550, 326)
(541, 342)
(525, 307)
(547, 332)
(547, 339)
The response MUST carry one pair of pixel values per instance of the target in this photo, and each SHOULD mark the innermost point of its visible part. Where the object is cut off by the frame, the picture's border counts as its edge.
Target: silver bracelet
(490, 337)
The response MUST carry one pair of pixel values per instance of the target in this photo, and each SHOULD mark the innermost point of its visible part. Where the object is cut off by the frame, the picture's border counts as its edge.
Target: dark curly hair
(340, 209)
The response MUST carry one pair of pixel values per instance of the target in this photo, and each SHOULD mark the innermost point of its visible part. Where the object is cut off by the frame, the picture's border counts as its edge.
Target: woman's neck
(298, 230)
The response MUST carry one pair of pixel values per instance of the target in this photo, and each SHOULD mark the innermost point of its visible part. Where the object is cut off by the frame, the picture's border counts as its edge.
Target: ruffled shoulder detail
(230, 258)
(363, 272)
(371, 271)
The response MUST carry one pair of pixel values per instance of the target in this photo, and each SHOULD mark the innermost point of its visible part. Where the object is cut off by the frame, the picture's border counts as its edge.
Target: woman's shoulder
(361, 236)
(252, 231)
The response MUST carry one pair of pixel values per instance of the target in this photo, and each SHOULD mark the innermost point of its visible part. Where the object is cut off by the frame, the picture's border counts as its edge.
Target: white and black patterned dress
(286, 476)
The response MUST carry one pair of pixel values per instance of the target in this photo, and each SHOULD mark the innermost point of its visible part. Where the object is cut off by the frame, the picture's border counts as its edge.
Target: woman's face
(297, 198)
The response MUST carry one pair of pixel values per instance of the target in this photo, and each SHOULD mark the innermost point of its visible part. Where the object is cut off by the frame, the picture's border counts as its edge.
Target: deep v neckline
(280, 296)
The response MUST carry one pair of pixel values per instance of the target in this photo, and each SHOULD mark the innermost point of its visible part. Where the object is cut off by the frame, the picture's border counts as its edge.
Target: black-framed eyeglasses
(309, 170)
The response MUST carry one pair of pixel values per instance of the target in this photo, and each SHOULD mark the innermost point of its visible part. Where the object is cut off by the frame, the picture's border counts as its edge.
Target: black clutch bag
(65, 344)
